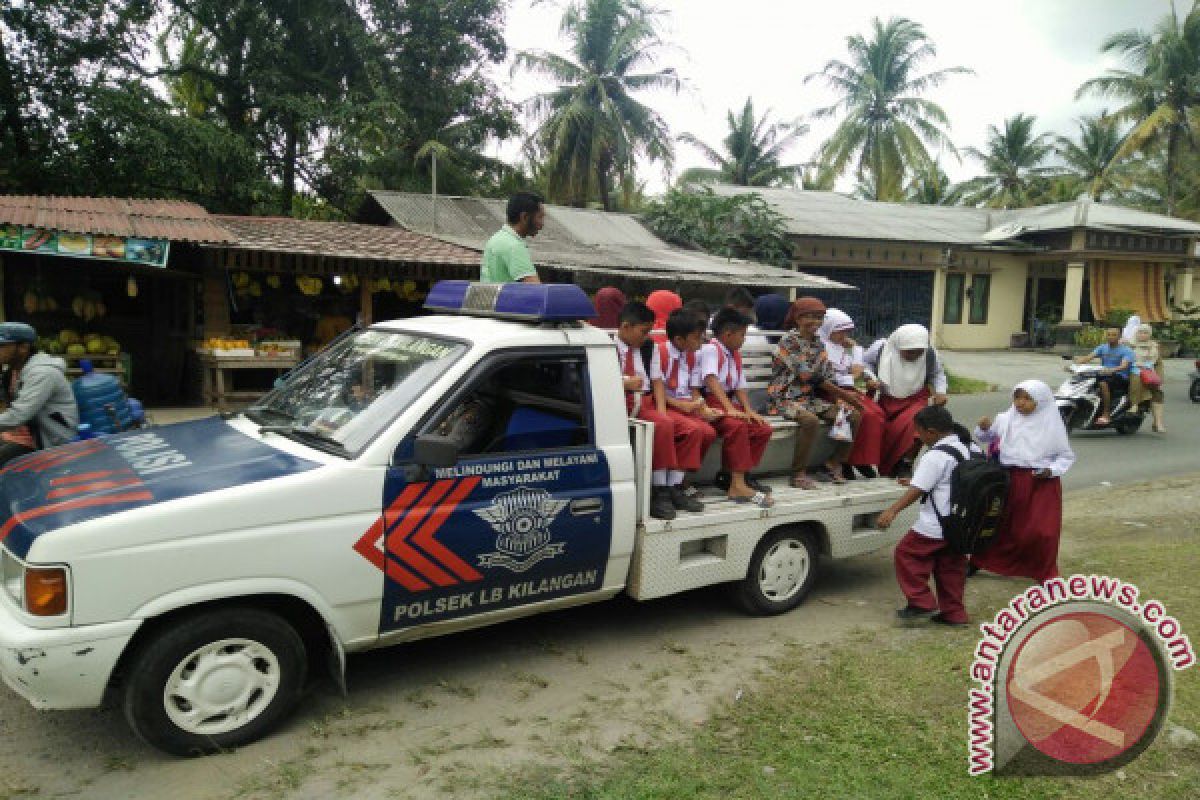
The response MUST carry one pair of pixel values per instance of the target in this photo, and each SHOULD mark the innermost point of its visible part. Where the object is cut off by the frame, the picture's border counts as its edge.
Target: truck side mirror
(432, 450)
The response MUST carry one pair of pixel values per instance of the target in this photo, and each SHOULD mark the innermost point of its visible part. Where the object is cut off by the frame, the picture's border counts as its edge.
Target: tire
(1068, 417)
(782, 571)
(1194, 391)
(1129, 425)
(245, 659)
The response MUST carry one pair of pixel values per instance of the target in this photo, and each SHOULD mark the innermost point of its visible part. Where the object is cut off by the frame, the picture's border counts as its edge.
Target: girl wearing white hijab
(1146, 356)
(906, 367)
(846, 358)
(1030, 440)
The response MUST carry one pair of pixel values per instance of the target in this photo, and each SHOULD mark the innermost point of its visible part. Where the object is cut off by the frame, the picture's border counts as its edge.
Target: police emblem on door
(521, 519)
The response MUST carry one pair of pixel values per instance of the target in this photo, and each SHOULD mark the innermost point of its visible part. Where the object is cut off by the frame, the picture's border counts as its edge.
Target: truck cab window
(520, 406)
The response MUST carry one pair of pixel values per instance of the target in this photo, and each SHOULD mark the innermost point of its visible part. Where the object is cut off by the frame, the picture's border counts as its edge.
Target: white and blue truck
(199, 573)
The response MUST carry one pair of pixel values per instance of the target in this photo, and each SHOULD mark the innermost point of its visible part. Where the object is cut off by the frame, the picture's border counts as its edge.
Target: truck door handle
(588, 505)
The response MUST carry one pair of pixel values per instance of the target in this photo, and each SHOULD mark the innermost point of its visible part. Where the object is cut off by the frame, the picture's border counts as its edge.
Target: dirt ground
(453, 716)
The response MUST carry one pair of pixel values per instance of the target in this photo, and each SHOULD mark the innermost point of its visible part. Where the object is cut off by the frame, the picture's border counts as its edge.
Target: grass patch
(884, 715)
(961, 384)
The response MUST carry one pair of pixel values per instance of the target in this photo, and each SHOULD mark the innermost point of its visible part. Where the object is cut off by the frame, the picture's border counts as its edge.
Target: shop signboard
(148, 252)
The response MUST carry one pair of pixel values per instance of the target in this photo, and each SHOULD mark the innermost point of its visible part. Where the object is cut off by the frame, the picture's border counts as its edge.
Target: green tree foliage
(887, 127)
(53, 53)
(753, 151)
(591, 128)
(1161, 92)
(1093, 161)
(734, 226)
(1014, 168)
(264, 99)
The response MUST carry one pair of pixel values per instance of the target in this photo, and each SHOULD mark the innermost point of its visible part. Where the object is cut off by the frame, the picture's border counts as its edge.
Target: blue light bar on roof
(527, 302)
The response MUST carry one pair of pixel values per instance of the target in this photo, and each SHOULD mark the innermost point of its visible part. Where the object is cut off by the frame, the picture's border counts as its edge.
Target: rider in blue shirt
(1116, 358)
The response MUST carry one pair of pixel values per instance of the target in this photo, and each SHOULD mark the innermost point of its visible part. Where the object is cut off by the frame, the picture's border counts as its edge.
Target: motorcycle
(1079, 403)
(1194, 390)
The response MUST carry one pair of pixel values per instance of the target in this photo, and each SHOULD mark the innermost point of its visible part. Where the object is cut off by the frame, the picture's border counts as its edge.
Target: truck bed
(715, 546)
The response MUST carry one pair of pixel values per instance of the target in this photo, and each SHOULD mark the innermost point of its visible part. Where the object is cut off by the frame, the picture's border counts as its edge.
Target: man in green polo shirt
(505, 256)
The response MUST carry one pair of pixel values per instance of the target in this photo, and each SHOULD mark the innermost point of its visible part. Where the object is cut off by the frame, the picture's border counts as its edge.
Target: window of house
(953, 307)
(521, 405)
(981, 286)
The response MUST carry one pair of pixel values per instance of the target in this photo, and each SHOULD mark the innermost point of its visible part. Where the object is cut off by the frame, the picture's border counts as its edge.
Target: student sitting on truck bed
(679, 357)
(923, 550)
(645, 399)
(745, 434)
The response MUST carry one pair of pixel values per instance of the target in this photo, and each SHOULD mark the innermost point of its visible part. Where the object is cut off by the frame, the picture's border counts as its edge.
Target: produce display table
(218, 378)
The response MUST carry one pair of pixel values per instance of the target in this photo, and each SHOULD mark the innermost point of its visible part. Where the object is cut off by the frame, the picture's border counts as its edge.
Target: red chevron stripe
(397, 541)
(395, 512)
(89, 476)
(56, 457)
(424, 536)
(95, 486)
(70, 505)
(367, 547)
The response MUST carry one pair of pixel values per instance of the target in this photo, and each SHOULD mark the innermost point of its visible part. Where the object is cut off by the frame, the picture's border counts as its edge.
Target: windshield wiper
(259, 411)
(307, 435)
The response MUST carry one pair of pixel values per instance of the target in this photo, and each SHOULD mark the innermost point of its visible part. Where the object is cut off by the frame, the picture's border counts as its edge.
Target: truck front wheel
(782, 571)
(215, 680)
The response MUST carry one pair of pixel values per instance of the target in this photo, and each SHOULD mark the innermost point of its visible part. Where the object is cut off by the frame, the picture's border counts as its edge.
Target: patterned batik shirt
(798, 367)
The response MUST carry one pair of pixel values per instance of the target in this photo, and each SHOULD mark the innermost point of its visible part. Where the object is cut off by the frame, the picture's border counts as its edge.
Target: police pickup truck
(417, 478)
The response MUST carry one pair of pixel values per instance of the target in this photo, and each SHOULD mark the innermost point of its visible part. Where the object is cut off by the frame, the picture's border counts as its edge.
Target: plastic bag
(841, 430)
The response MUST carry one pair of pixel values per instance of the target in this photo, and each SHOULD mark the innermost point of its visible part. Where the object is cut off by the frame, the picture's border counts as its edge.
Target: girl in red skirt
(846, 358)
(1031, 441)
(906, 368)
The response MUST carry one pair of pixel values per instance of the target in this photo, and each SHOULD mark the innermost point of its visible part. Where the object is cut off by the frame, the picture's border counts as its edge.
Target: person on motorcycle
(41, 410)
(1116, 358)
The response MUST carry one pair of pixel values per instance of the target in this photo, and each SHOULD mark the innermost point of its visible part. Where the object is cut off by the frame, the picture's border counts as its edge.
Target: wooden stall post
(366, 302)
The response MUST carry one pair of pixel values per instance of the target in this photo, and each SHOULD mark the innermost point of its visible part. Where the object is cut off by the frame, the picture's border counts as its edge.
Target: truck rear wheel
(216, 680)
(782, 571)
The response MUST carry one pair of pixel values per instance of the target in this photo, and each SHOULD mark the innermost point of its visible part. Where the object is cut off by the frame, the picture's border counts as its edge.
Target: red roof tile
(114, 216)
(343, 240)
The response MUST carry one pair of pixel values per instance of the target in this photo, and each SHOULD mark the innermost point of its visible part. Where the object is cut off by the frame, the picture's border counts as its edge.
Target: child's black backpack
(978, 497)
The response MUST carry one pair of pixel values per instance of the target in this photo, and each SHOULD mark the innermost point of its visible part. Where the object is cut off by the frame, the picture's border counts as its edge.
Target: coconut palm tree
(591, 127)
(753, 149)
(1161, 90)
(931, 186)
(1092, 163)
(887, 127)
(1013, 163)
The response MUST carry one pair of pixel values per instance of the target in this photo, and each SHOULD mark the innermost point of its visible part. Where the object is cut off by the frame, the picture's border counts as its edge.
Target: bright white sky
(1028, 55)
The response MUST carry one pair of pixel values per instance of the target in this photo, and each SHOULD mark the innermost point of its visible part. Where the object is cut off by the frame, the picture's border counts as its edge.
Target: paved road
(1102, 455)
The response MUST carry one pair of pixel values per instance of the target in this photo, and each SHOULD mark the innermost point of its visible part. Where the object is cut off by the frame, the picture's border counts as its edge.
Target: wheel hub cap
(784, 570)
(221, 686)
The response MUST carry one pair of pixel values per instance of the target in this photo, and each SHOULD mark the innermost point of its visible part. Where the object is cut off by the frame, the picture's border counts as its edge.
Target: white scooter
(1079, 403)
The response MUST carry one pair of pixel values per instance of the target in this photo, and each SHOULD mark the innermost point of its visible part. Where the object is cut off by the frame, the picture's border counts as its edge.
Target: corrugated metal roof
(835, 215)
(1086, 213)
(590, 241)
(114, 216)
(343, 240)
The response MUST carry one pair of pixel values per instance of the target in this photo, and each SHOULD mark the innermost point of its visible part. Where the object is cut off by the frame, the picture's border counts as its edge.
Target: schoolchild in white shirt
(923, 551)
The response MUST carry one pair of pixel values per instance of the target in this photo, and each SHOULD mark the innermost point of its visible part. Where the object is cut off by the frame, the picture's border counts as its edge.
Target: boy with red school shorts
(744, 432)
(679, 357)
(645, 399)
(923, 551)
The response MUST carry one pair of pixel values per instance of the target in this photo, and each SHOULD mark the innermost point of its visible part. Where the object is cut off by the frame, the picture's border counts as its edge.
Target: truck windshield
(349, 392)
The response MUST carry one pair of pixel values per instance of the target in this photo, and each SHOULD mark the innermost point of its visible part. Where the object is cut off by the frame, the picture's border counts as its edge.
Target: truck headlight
(41, 591)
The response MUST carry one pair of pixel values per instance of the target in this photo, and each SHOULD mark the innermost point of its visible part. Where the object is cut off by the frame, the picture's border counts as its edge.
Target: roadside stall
(98, 279)
(286, 288)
